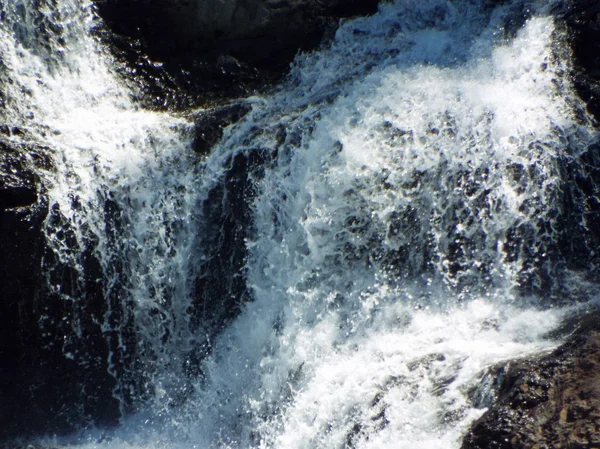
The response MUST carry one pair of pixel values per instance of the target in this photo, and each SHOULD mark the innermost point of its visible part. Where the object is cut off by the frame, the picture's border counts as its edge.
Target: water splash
(408, 228)
(414, 199)
(122, 195)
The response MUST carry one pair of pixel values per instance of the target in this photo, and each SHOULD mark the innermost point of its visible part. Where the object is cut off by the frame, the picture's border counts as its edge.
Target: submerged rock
(547, 402)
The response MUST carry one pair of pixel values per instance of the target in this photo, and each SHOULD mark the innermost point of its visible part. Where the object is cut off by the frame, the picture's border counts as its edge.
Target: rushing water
(407, 229)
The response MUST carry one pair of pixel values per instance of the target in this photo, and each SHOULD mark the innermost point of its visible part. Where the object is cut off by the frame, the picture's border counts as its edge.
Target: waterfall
(122, 195)
(408, 210)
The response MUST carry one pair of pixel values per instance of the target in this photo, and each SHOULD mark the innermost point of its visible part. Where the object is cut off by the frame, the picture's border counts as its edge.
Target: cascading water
(122, 194)
(412, 223)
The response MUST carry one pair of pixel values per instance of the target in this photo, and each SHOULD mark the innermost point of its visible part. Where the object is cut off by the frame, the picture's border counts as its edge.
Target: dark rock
(210, 124)
(184, 83)
(17, 183)
(262, 32)
(582, 19)
(53, 356)
(547, 402)
(220, 289)
(183, 53)
(17, 196)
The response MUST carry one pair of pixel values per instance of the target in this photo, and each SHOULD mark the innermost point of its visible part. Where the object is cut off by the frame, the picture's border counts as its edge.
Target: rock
(42, 389)
(210, 124)
(185, 83)
(220, 289)
(183, 53)
(17, 180)
(256, 31)
(547, 402)
(582, 19)
(17, 196)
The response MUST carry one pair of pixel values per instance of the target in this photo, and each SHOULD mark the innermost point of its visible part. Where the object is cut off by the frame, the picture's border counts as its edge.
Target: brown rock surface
(548, 402)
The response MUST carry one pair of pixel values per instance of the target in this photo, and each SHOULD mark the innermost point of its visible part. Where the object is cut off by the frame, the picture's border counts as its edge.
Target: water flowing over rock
(203, 245)
(549, 401)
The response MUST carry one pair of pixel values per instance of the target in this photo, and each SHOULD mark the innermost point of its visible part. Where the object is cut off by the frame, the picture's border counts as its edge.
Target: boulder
(551, 401)
(185, 53)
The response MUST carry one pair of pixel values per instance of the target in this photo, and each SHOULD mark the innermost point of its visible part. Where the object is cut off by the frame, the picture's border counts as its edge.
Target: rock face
(582, 17)
(41, 389)
(210, 124)
(261, 32)
(549, 402)
(221, 290)
(212, 50)
(21, 246)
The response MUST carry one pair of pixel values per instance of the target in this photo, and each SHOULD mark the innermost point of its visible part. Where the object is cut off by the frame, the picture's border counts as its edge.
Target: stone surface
(221, 290)
(210, 124)
(42, 390)
(17, 180)
(582, 18)
(546, 402)
(257, 31)
(184, 53)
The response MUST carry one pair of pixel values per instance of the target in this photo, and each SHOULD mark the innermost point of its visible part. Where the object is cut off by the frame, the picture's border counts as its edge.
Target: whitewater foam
(403, 232)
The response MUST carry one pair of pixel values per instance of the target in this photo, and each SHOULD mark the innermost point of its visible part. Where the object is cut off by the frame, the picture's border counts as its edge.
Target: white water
(106, 150)
(384, 270)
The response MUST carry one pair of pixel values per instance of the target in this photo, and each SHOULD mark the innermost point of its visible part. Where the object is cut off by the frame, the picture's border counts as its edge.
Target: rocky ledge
(186, 53)
(545, 402)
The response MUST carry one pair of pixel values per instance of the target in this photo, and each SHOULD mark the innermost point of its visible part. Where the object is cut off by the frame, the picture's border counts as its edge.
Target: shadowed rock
(582, 17)
(42, 388)
(260, 32)
(209, 51)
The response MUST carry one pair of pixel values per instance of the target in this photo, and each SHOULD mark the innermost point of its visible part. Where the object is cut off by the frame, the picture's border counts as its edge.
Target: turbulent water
(408, 225)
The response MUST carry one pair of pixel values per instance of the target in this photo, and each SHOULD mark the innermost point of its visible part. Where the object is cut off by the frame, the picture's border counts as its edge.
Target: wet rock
(210, 124)
(42, 388)
(180, 84)
(261, 32)
(184, 53)
(582, 19)
(220, 289)
(17, 196)
(18, 182)
(547, 402)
